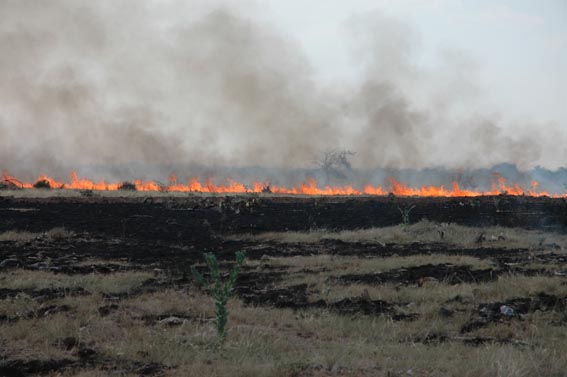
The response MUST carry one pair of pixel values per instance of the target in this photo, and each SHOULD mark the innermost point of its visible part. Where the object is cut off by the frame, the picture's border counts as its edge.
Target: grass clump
(220, 290)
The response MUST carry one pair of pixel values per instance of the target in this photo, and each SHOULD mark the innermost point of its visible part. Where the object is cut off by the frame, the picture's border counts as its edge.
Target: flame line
(310, 187)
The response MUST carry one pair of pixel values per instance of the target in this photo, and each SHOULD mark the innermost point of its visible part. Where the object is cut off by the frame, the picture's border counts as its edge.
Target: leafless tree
(334, 163)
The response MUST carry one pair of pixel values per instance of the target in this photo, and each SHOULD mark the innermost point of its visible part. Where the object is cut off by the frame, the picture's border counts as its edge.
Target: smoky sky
(177, 82)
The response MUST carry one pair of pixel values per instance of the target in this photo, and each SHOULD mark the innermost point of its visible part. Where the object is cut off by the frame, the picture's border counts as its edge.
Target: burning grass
(498, 185)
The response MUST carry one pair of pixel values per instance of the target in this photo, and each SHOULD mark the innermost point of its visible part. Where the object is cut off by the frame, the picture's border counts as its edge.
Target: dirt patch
(438, 338)
(42, 295)
(22, 368)
(105, 310)
(513, 309)
(297, 297)
(363, 306)
(447, 273)
(39, 313)
(293, 297)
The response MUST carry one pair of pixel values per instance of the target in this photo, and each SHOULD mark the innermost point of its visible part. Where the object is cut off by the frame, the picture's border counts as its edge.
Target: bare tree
(334, 163)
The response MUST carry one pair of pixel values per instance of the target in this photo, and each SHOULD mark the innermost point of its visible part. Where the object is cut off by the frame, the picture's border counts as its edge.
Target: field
(100, 284)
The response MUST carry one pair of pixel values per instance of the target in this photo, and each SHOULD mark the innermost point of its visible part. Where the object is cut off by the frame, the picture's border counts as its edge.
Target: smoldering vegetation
(133, 85)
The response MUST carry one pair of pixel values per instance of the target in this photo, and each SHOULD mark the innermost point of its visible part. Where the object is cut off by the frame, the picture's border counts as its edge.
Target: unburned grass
(116, 283)
(331, 264)
(24, 236)
(425, 232)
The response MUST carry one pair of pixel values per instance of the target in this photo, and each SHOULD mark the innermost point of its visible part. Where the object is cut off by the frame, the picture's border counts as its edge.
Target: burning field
(100, 284)
(498, 185)
(283, 188)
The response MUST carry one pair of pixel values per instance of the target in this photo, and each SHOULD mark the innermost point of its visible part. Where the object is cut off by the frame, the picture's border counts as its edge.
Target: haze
(405, 84)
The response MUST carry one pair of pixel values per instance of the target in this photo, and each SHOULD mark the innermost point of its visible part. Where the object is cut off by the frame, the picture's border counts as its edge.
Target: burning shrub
(162, 186)
(42, 184)
(6, 185)
(127, 186)
(10, 183)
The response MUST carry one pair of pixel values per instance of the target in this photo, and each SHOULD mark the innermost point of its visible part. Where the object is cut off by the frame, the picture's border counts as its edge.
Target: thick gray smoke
(113, 83)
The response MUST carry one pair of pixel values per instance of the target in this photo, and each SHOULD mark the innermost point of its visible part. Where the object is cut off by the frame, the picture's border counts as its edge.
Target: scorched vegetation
(98, 286)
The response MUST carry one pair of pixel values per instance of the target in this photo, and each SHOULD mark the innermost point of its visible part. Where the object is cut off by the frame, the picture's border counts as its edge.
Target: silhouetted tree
(334, 163)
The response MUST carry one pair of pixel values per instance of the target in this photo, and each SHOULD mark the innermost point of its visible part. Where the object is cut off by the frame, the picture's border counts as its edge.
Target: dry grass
(330, 264)
(18, 236)
(19, 306)
(23, 236)
(424, 232)
(273, 342)
(436, 293)
(267, 341)
(120, 282)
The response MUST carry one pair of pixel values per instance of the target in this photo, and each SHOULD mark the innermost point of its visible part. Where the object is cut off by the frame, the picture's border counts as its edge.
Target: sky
(516, 49)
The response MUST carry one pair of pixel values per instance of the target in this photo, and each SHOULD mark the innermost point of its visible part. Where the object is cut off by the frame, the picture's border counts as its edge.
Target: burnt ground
(160, 238)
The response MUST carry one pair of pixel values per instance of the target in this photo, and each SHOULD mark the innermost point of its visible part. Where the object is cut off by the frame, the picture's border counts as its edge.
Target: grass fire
(310, 187)
(283, 188)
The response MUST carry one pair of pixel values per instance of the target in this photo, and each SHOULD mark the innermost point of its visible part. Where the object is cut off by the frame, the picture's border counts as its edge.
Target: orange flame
(498, 186)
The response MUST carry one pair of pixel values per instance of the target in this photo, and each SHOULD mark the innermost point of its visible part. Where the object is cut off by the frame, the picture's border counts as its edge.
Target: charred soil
(118, 257)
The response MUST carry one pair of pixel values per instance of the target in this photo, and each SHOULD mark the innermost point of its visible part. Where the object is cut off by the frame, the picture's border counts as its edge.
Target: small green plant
(220, 290)
(406, 214)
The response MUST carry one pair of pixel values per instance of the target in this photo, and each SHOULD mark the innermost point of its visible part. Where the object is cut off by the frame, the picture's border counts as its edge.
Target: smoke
(111, 83)
(412, 117)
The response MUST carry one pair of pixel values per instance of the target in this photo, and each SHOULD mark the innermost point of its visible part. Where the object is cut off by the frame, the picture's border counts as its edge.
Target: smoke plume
(113, 83)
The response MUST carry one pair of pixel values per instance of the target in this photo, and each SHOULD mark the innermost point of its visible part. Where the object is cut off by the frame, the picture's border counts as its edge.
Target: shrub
(219, 290)
(405, 212)
(8, 186)
(127, 186)
(10, 183)
(42, 184)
